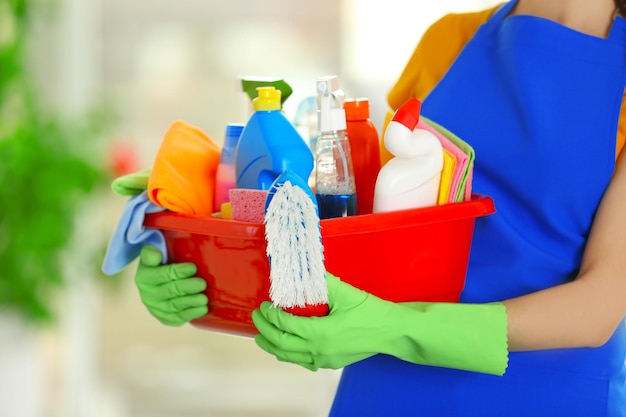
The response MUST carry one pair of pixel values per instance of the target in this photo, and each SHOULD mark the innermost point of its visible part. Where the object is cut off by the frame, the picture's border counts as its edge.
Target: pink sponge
(248, 205)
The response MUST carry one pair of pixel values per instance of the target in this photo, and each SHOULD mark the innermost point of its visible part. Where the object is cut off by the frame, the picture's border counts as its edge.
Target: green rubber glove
(131, 184)
(462, 336)
(170, 292)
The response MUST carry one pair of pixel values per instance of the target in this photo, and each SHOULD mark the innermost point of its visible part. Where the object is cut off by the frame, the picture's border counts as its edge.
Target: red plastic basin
(409, 255)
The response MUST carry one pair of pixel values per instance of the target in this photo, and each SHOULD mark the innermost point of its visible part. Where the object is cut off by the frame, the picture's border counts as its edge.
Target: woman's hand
(170, 292)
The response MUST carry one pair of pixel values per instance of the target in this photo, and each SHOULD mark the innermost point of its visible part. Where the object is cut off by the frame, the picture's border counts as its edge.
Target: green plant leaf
(48, 167)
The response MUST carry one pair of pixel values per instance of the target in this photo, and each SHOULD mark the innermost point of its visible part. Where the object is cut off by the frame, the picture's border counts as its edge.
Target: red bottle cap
(357, 108)
(409, 113)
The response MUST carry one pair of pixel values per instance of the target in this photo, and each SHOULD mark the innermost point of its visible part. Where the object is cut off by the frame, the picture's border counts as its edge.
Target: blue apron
(540, 104)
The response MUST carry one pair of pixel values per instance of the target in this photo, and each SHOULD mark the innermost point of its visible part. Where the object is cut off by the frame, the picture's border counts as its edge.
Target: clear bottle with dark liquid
(336, 205)
(334, 174)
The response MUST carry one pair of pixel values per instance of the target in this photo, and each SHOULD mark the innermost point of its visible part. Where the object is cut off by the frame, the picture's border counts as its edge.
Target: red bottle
(365, 149)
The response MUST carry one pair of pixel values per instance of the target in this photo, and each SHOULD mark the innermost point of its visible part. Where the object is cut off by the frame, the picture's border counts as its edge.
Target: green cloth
(471, 337)
(170, 292)
(131, 184)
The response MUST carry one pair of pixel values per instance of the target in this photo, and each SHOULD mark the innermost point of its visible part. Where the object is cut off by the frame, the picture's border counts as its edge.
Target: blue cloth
(130, 235)
(539, 103)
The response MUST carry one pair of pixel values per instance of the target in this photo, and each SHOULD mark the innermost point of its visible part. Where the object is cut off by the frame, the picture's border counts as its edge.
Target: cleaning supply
(456, 176)
(447, 172)
(294, 248)
(305, 121)
(130, 235)
(225, 177)
(410, 179)
(182, 178)
(461, 186)
(471, 337)
(249, 85)
(385, 155)
(335, 187)
(269, 144)
(247, 205)
(226, 210)
(131, 184)
(364, 147)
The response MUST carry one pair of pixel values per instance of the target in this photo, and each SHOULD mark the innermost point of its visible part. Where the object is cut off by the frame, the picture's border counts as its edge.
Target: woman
(536, 88)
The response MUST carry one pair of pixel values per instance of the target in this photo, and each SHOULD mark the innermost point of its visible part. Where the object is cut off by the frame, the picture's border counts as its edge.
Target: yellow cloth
(183, 174)
(449, 163)
(434, 54)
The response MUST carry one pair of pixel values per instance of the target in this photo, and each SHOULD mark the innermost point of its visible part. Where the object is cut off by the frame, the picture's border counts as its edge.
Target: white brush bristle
(294, 246)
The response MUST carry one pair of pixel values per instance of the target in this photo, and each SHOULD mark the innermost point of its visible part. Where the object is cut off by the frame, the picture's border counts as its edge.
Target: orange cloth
(434, 54)
(183, 174)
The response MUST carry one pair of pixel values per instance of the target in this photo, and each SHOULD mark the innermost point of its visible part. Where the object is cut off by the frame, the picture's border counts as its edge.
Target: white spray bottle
(410, 179)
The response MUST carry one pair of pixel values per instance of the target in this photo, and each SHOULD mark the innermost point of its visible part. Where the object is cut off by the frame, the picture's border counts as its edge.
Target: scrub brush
(294, 247)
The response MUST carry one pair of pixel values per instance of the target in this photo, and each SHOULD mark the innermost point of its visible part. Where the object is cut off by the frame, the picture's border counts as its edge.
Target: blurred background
(87, 90)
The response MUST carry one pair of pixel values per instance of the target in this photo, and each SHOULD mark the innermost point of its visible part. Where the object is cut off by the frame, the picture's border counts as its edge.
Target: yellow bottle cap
(227, 210)
(268, 99)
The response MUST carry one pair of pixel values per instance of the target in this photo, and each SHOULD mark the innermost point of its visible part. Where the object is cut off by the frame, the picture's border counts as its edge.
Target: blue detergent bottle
(270, 145)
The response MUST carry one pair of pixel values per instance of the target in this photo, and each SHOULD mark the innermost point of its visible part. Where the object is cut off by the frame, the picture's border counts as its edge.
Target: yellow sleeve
(432, 57)
(438, 48)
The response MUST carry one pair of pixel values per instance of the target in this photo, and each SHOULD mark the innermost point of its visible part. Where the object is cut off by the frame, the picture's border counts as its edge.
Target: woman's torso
(547, 171)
